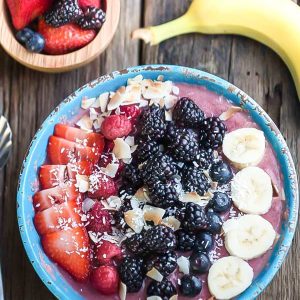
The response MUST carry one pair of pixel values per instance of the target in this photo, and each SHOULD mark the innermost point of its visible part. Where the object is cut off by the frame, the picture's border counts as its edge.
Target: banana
(249, 236)
(228, 277)
(244, 147)
(251, 191)
(275, 23)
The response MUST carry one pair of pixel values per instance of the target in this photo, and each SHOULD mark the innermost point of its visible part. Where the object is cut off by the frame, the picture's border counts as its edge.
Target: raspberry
(194, 180)
(164, 289)
(116, 126)
(107, 251)
(132, 112)
(108, 158)
(195, 218)
(93, 18)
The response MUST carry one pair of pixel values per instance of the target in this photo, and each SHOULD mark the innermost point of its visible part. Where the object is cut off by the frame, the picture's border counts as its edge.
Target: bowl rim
(286, 161)
(64, 62)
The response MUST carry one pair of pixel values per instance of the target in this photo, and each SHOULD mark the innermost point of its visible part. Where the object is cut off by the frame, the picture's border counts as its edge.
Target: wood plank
(27, 97)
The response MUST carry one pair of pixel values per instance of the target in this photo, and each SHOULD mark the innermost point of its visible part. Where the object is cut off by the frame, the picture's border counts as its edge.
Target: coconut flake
(153, 214)
(135, 219)
(154, 298)
(85, 123)
(93, 114)
(141, 195)
(175, 90)
(117, 99)
(110, 170)
(122, 291)
(224, 116)
(155, 89)
(170, 101)
(168, 115)
(87, 204)
(171, 222)
(82, 183)
(129, 140)
(143, 103)
(135, 80)
(155, 274)
(195, 198)
(121, 149)
(133, 94)
(183, 265)
(87, 102)
(175, 297)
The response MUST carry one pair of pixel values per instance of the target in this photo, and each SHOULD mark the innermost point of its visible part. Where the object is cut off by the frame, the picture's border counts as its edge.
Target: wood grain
(27, 97)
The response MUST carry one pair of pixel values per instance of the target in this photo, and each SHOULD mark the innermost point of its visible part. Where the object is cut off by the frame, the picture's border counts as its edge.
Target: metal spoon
(5, 150)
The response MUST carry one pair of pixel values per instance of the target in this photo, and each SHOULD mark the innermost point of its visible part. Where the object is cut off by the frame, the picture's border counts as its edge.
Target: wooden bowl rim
(65, 62)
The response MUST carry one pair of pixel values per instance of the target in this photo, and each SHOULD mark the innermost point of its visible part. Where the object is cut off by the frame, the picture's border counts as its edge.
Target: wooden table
(27, 97)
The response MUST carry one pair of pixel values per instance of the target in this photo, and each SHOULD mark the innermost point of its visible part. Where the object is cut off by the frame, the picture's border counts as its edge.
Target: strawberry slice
(70, 250)
(73, 134)
(82, 168)
(64, 39)
(58, 217)
(52, 175)
(61, 151)
(56, 195)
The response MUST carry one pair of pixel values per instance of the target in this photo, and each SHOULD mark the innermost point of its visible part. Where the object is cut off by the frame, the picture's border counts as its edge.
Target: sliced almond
(122, 291)
(183, 265)
(117, 99)
(85, 123)
(82, 183)
(155, 89)
(226, 115)
(153, 214)
(135, 219)
(155, 274)
(171, 222)
(121, 149)
(87, 102)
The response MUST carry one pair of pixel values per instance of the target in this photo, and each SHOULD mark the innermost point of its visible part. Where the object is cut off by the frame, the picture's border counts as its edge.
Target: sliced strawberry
(107, 251)
(82, 168)
(116, 126)
(58, 217)
(86, 3)
(61, 151)
(70, 250)
(64, 39)
(105, 279)
(52, 175)
(73, 134)
(56, 195)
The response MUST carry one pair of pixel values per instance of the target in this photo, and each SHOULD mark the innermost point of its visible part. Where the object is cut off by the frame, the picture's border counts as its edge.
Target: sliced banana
(251, 191)
(249, 236)
(228, 277)
(244, 147)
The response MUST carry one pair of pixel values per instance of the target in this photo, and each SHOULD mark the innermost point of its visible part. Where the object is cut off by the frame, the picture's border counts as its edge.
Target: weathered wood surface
(27, 97)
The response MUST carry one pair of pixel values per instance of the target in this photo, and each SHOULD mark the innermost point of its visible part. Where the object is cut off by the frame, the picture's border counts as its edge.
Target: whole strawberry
(116, 126)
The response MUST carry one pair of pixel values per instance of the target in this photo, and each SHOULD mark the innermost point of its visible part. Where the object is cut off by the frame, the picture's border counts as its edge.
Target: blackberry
(184, 145)
(204, 158)
(212, 132)
(171, 130)
(135, 244)
(63, 12)
(195, 218)
(145, 150)
(164, 194)
(132, 274)
(165, 263)
(186, 113)
(194, 180)
(160, 239)
(160, 167)
(132, 174)
(175, 211)
(164, 289)
(93, 18)
(119, 215)
(126, 191)
(185, 240)
(153, 123)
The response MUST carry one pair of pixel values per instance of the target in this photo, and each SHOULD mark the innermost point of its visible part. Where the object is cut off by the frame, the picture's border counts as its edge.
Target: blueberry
(204, 241)
(24, 35)
(220, 202)
(190, 286)
(214, 222)
(199, 262)
(221, 172)
(36, 43)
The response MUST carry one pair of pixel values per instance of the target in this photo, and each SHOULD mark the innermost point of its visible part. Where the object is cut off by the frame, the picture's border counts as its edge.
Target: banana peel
(275, 23)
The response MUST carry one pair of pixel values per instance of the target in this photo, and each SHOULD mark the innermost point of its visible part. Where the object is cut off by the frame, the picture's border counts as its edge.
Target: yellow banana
(275, 23)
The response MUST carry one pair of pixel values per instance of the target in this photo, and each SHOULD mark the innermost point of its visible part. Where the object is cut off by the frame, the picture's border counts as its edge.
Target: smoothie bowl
(157, 182)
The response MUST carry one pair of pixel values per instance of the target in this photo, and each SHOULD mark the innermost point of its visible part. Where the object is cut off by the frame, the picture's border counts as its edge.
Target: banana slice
(228, 277)
(251, 191)
(249, 236)
(244, 147)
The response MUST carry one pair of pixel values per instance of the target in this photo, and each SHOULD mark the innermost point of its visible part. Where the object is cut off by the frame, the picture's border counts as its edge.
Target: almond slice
(226, 115)
(183, 265)
(121, 149)
(155, 275)
(153, 214)
(135, 219)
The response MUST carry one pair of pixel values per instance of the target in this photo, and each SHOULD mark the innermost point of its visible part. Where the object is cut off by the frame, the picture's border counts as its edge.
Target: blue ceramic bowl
(47, 270)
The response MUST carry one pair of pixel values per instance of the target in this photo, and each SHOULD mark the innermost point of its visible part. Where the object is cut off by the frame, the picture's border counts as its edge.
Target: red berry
(106, 251)
(116, 126)
(107, 158)
(105, 279)
(131, 112)
(98, 219)
(86, 3)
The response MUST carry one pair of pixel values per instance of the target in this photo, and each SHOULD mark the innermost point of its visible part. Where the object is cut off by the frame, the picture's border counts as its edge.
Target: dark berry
(160, 239)
(164, 289)
(63, 12)
(135, 244)
(214, 222)
(184, 146)
(212, 132)
(171, 130)
(152, 123)
(119, 215)
(204, 242)
(126, 191)
(132, 274)
(132, 174)
(199, 262)
(194, 217)
(221, 172)
(204, 158)
(145, 150)
(175, 211)
(220, 202)
(187, 114)
(194, 180)
(165, 194)
(36, 43)
(190, 286)
(93, 18)
(24, 35)
(165, 263)
(185, 240)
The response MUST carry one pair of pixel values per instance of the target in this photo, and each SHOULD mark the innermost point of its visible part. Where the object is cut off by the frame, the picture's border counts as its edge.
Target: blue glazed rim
(47, 270)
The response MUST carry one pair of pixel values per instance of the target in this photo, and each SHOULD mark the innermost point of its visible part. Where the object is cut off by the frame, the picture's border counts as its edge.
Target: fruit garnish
(199, 262)
(86, 3)
(83, 167)
(185, 240)
(116, 126)
(190, 286)
(93, 18)
(164, 289)
(204, 242)
(33, 41)
(52, 175)
(107, 252)
(132, 112)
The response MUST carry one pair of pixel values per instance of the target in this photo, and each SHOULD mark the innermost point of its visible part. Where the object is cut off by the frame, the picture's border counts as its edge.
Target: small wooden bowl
(58, 63)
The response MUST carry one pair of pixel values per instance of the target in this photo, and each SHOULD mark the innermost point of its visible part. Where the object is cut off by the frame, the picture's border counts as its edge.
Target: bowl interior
(48, 271)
